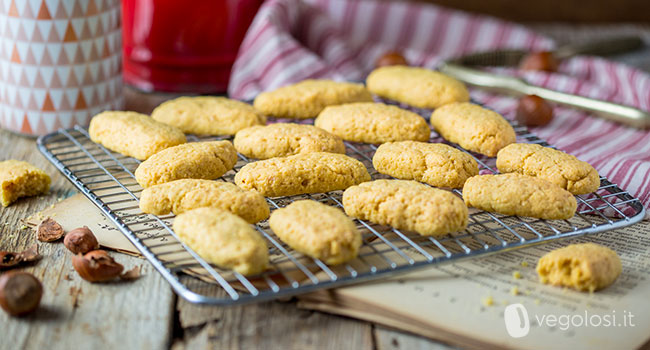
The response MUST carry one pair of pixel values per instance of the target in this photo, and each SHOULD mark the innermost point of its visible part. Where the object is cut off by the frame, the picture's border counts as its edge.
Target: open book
(463, 303)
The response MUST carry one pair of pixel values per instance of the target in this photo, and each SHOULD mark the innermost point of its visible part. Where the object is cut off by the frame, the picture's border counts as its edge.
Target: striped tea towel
(292, 40)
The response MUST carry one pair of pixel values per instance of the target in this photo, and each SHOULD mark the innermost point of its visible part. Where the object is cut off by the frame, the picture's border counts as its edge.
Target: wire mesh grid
(107, 179)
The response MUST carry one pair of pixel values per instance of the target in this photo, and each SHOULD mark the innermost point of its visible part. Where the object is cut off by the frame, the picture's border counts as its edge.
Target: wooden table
(146, 314)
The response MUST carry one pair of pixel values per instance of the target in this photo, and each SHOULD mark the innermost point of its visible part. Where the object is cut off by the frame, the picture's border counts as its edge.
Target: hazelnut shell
(96, 266)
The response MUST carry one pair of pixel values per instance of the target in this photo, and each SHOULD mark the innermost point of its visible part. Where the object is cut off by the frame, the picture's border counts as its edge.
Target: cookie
(182, 195)
(302, 173)
(373, 123)
(208, 115)
(555, 166)
(437, 164)
(417, 87)
(317, 230)
(309, 97)
(407, 205)
(21, 179)
(584, 267)
(195, 160)
(133, 134)
(473, 127)
(223, 239)
(515, 194)
(285, 139)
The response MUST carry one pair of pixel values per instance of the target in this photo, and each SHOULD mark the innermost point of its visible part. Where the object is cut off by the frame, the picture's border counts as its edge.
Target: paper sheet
(449, 302)
(77, 211)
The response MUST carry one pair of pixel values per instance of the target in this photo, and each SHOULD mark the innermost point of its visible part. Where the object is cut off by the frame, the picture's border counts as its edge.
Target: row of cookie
(307, 99)
(441, 165)
(418, 87)
(230, 242)
(472, 127)
(217, 224)
(222, 116)
(542, 183)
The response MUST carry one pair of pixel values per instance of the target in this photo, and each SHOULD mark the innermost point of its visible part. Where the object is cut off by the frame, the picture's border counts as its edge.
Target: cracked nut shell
(96, 266)
(49, 230)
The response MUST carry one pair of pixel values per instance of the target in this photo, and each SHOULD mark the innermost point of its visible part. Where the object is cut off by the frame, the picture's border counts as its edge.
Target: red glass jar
(183, 46)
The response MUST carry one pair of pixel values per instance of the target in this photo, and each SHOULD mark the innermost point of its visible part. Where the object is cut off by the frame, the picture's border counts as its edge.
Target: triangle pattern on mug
(60, 63)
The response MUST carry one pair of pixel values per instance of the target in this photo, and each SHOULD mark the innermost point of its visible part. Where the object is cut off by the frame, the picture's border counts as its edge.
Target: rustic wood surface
(146, 314)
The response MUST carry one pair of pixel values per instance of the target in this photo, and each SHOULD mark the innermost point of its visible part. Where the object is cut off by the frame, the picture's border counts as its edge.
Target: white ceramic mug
(60, 63)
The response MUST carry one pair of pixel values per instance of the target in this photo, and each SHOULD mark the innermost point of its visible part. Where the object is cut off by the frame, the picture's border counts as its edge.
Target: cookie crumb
(488, 301)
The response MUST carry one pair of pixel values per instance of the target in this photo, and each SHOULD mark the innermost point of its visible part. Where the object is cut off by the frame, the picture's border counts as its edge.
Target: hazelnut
(80, 240)
(539, 61)
(49, 230)
(392, 58)
(20, 292)
(96, 266)
(534, 111)
(10, 259)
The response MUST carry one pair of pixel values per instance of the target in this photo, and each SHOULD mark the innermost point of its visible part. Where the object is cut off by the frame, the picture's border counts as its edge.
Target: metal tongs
(462, 69)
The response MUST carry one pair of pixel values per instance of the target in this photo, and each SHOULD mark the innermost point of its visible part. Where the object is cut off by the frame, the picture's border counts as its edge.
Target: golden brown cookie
(309, 97)
(406, 205)
(285, 139)
(371, 122)
(223, 239)
(473, 127)
(515, 194)
(302, 173)
(437, 164)
(182, 195)
(584, 267)
(418, 87)
(133, 134)
(195, 160)
(317, 230)
(555, 166)
(208, 115)
(21, 179)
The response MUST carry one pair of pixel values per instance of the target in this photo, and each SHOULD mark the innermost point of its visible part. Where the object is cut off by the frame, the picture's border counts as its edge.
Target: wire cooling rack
(107, 179)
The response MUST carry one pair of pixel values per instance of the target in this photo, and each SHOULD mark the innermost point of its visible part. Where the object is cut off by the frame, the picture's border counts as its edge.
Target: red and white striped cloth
(292, 40)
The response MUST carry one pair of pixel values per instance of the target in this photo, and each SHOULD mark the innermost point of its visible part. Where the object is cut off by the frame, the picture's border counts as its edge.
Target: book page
(464, 302)
(77, 211)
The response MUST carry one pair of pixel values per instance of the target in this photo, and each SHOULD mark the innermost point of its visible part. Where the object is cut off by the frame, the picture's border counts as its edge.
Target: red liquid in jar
(183, 46)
